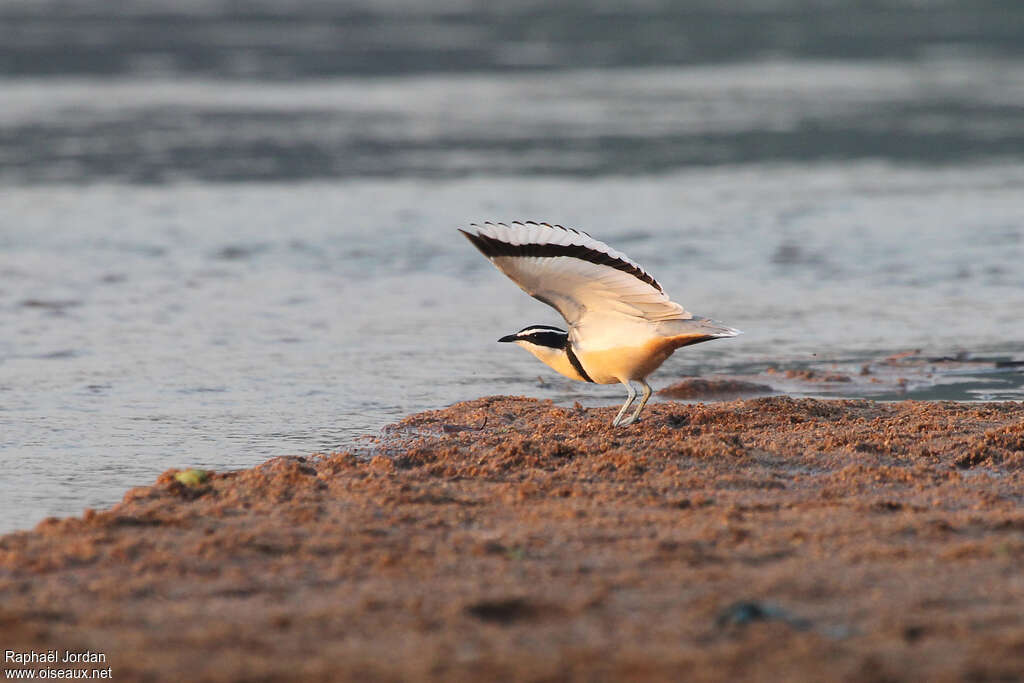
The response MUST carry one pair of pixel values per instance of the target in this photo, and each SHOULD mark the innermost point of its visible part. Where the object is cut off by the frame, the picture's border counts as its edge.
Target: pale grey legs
(619, 421)
(625, 406)
(643, 401)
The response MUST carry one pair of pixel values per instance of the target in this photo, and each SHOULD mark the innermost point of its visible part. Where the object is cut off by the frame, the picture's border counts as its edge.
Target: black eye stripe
(550, 338)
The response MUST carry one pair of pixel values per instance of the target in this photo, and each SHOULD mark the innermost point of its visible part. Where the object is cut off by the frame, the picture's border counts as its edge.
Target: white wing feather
(591, 284)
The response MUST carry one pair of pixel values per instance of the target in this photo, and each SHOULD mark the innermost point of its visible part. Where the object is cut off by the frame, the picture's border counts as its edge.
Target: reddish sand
(704, 389)
(506, 538)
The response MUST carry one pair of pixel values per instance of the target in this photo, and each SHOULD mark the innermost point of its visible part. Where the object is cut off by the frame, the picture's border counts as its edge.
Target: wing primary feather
(476, 241)
(591, 285)
(492, 247)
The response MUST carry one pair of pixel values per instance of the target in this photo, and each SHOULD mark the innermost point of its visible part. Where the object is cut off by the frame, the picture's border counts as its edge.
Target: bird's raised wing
(574, 273)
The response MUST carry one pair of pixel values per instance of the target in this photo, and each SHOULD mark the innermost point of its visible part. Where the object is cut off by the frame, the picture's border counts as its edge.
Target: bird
(622, 325)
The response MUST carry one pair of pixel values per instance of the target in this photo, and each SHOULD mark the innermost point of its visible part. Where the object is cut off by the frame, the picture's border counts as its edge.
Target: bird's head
(534, 336)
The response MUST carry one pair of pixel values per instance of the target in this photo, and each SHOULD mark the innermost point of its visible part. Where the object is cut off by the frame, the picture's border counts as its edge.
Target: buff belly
(622, 364)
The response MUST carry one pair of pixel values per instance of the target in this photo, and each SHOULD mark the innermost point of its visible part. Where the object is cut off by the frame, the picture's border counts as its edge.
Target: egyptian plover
(622, 325)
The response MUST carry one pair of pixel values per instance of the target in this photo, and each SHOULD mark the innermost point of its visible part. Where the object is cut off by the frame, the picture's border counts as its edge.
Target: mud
(506, 538)
(699, 388)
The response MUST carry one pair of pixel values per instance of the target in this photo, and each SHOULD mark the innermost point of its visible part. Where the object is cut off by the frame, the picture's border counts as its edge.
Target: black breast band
(576, 363)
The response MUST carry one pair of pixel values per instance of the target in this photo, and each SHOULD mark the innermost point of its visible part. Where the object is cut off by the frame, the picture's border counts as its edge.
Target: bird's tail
(694, 330)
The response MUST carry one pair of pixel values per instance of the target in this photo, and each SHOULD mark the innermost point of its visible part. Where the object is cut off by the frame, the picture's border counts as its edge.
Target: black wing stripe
(495, 248)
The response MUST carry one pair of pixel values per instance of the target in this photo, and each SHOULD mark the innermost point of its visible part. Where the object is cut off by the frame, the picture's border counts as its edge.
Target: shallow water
(205, 268)
(218, 325)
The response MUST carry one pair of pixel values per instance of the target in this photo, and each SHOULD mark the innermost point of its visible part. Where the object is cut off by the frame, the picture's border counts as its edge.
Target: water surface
(236, 239)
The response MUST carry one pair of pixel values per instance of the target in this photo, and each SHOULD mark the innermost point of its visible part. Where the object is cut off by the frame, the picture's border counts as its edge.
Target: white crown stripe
(537, 330)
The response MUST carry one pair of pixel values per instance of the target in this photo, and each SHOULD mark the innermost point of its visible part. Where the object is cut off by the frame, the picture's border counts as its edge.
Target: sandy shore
(762, 539)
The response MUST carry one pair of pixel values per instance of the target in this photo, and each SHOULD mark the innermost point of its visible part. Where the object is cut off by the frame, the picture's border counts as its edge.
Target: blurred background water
(227, 229)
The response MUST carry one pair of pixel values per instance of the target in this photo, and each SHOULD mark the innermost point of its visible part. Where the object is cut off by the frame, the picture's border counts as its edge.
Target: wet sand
(508, 538)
